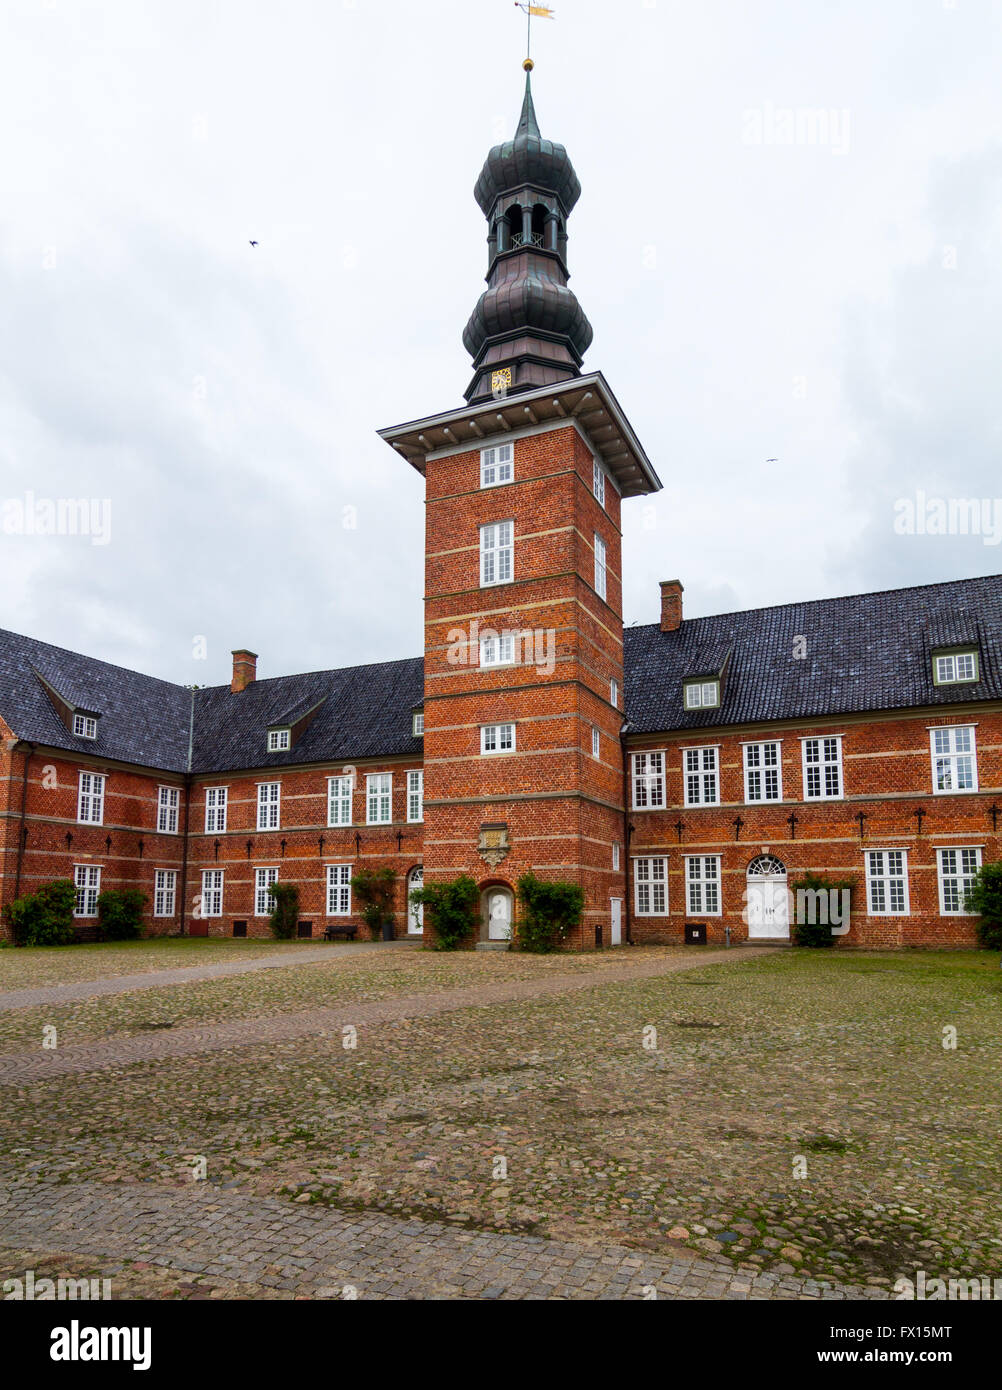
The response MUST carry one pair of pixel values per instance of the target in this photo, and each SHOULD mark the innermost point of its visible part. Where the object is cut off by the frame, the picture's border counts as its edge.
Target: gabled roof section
(866, 652)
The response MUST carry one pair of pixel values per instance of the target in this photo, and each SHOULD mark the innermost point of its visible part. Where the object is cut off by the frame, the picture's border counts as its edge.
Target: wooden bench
(334, 933)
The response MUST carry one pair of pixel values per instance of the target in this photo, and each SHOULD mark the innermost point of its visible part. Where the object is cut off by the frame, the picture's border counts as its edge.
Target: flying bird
(767, 460)
(253, 243)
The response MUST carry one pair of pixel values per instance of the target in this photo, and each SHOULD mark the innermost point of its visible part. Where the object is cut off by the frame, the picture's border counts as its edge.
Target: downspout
(20, 834)
(627, 830)
(187, 807)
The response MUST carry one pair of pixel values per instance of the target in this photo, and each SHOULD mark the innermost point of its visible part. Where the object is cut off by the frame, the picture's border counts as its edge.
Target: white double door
(768, 906)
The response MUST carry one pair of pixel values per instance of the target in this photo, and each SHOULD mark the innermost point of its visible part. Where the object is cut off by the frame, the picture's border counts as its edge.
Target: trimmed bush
(818, 934)
(985, 898)
(284, 914)
(452, 908)
(549, 912)
(120, 914)
(44, 918)
(375, 889)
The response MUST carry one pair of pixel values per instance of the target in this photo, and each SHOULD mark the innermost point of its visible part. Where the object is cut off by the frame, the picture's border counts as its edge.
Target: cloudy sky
(789, 245)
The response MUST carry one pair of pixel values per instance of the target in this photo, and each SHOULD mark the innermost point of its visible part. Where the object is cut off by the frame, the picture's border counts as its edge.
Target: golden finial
(528, 64)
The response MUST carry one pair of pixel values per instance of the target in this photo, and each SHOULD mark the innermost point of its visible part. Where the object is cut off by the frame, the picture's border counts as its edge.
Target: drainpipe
(20, 834)
(184, 848)
(627, 831)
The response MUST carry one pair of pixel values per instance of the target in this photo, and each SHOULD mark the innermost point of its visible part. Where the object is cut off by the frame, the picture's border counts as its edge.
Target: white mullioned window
(496, 543)
(84, 726)
(215, 810)
(650, 887)
(268, 805)
(212, 893)
(263, 878)
(702, 695)
(168, 801)
(87, 881)
(164, 892)
(887, 882)
(956, 667)
(90, 800)
(701, 778)
(596, 744)
(763, 772)
(954, 759)
(615, 854)
(497, 738)
(338, 890)
(497, 649)
(600, 570)
(415, 795)
(418, 725)
(648, 781)
(339, 800)
(379, 798)
(497, 465)
(956, 868)
(822, 768)
(278, 740)
(614, 693)
(702, 883)
(598, 481)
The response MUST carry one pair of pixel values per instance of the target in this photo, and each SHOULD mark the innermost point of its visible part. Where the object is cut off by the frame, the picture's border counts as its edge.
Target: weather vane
(541, 12)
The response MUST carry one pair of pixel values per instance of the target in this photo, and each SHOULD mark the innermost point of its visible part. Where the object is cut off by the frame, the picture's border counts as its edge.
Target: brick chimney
(671, 605)
(244, 670)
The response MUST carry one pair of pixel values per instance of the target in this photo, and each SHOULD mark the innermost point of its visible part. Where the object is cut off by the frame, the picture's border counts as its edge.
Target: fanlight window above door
(766, 866)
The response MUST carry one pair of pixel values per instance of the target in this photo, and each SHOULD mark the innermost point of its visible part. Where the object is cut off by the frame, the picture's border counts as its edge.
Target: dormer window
(84, 726)
(419, 725)
(278, 740)
(702, 695)
(955, 668)
(497, 465)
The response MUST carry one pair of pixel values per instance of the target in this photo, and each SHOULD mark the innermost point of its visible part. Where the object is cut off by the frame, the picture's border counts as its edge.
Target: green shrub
(985, 898)
(375, 889)
(120, 914)
(44, 918)
(452, 908)
(549, 912)
(819, 932)
(284, 914)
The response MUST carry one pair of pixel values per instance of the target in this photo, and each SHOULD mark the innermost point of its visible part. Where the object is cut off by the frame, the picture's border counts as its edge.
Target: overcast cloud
(833, 305)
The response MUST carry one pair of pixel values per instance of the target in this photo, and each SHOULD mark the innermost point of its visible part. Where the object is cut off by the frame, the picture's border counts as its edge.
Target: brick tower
(523, 762)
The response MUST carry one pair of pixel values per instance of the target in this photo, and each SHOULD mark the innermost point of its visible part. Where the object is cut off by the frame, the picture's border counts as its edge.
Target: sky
(788, 244)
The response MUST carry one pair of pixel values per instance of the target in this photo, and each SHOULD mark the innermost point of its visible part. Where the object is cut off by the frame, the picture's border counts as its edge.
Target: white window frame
(650, 885)
(213, 883)
(216, 804)
(339, 792)
(87, 882)
(90, 798)
(701, 775)
(823, 764)
(339, 890)
(279, 740)
(497, 649)
(598, 481)
(497, 465)
(417, 725)
(496, 739)
(703, 885)
(84, 726)
(754, 758)
(497, 553)
(647, 777)
(958, 875)
(379, 797)
(262, 878)
(415, 795)
(952, 758)
(168, 806)
(164, 892)
(269, 805)
(596, 743)
(951, 661)
(615, 855)
(886, 880)
(601, 569)
(702, 694)
(614, 693)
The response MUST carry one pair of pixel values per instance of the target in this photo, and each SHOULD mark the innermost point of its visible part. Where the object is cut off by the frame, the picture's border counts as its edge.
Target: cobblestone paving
(221, 1239)
(155, 979)
(19, 1068)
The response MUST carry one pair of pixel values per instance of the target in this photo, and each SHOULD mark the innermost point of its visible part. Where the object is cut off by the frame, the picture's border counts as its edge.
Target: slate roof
(865, 652)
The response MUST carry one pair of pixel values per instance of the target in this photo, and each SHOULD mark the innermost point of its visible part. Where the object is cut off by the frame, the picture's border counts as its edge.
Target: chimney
(244, 670)
(671, 605)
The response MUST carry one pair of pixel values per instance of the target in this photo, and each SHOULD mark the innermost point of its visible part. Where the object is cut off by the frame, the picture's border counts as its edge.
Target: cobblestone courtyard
(400, 1123)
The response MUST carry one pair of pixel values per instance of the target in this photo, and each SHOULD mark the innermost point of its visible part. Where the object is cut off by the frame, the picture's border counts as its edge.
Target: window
(650, 887)
(167, 804)
(701, 777)
(215, 810)
(596, 743)
(262, 898)
(497, 649)
(956, 667)
(380, 798)
(702, 881)
(763, 772)
(598, 481)
(418, 726)
(957, 868)
(614, 694)
(339, 800)
(278, 740)
(84, 726)
(822, 768)
(90, 803)
(954, 760)
(338, 890)
(615, 854)
(164, 892)
(268, 794)
(87, 881)
(415, 796)
(496, 465)
(702, 695)
(212, 893)
(648, 781)
(496, 553)
(887, 882)
(600, 567)
(497, 738)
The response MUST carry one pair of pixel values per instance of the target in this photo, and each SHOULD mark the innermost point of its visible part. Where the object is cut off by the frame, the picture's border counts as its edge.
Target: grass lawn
(31, 967)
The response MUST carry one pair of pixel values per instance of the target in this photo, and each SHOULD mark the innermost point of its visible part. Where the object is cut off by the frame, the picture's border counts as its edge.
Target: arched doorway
(497, 912)
(767, 899)
(415, 911)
